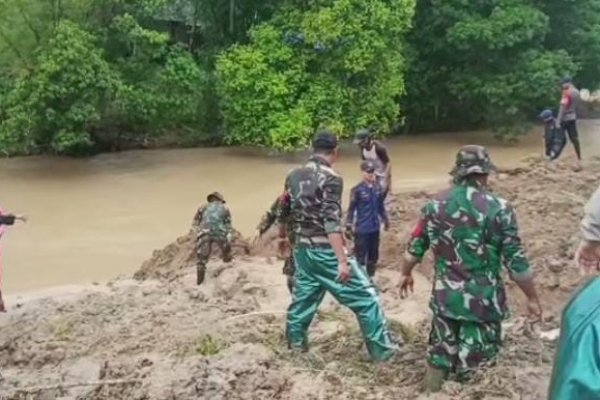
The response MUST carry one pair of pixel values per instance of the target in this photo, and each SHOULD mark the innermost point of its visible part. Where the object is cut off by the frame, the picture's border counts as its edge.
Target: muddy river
(97, 218)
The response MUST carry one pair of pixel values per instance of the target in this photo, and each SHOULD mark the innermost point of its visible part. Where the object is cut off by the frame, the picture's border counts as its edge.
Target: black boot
(200, 272)
(371, 270)
(290, 283)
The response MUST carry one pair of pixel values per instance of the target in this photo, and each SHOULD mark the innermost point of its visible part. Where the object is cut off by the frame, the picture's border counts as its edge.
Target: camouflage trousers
(462, 346)
(204, 246)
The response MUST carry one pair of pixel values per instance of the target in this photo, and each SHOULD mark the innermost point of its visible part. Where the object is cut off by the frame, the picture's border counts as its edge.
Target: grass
(62, 329)
(206, 345)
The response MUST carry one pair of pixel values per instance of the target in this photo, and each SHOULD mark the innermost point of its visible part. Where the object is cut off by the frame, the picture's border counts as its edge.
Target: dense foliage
(82, 76)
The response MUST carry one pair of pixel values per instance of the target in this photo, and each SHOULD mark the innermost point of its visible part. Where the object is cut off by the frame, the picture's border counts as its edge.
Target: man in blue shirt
(365, 214)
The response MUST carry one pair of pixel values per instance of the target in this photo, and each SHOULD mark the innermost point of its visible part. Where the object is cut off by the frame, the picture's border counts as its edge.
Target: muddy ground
(158, 336)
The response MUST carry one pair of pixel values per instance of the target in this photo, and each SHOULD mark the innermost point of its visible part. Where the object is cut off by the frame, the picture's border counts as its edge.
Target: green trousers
(576, 373)
(462, 346)
(316, 273)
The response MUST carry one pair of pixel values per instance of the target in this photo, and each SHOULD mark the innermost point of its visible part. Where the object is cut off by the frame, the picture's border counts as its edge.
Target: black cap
(324, 140)
(367, 166)
(565, 80)
(361, 135)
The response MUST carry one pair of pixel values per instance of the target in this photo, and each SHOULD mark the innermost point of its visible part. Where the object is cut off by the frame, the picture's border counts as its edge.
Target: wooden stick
(80, 384)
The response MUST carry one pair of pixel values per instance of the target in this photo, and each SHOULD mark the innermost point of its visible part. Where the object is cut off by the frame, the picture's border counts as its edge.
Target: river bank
(158, 336)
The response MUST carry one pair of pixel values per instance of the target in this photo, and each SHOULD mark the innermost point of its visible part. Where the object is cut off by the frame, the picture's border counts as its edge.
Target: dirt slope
(160, 337)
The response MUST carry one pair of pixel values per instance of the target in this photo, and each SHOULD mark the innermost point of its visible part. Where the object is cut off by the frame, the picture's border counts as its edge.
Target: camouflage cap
(215, 196)
(472, 159)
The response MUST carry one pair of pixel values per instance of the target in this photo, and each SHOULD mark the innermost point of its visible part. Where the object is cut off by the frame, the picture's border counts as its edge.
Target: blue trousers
(366, 250)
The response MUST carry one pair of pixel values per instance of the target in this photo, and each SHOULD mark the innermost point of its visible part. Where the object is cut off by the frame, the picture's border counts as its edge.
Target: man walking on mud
(270, 217)
(567, 113)
(366, 213)
(471, 233)
(374, 151)
(315, 194)
(212, 224)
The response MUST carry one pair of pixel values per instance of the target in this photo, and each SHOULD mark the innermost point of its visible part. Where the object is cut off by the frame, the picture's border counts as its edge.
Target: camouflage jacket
(314, 208)
(471, 233)
(213, 219)
(273, 215)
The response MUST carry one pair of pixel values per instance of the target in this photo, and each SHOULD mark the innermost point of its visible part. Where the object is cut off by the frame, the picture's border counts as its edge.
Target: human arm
(417, 247)
(268, 218)
(587, 255)
(565, 102)
(514, 258)
(383, 212)
(9, 219)
(198, 216)
(383, 156)
(351, 209)
(332, 188)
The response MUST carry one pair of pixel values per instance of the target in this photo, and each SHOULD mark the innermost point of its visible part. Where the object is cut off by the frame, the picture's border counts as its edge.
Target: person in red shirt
(567, 113)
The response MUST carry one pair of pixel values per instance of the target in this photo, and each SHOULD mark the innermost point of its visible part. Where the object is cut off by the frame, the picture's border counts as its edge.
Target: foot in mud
(2, 307)
(200, 273)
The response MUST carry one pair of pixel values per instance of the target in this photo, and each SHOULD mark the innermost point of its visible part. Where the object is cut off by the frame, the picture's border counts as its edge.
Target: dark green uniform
(471, 233)
(270, 217)
(212, 224)
(315, 191)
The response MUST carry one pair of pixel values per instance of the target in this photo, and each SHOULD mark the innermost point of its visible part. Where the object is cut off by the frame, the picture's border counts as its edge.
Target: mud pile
(161, 337)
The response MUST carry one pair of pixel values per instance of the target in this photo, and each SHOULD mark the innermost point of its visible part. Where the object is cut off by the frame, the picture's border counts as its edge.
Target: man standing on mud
(567, 113)
(272, 215)
(374, 151)
(212, 224)
(576, 372)
(365, 215)
(471, 232)
(322, 265)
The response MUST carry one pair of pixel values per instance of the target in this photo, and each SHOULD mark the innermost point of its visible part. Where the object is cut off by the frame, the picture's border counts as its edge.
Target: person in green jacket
(576, 372)
(322, 264)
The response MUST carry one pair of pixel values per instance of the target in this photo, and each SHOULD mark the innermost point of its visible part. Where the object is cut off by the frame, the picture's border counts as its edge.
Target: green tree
(337, 63)
(575, 28)
(55, 105)
(480, 63)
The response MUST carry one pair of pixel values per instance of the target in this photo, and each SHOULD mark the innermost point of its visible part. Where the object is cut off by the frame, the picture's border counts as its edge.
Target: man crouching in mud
(314, 209)
(576, 372)
(8, 219)
(470, 231)
(268, 219)
(212, 224)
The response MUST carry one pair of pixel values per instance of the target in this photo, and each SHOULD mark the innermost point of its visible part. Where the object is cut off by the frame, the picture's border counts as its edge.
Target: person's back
(322, 265)
(315, 191)
(465, 227)
(472, 233)
(215, 219)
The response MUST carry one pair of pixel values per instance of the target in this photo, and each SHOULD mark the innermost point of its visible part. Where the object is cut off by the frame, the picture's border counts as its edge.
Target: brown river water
(97, 218)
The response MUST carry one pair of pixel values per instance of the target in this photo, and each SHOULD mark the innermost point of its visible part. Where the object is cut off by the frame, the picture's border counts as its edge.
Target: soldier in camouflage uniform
(270, 217)
(322, 265)
(212, 224)
(471, 232)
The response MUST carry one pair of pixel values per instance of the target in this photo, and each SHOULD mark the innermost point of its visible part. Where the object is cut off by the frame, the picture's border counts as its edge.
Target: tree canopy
(83, 76)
